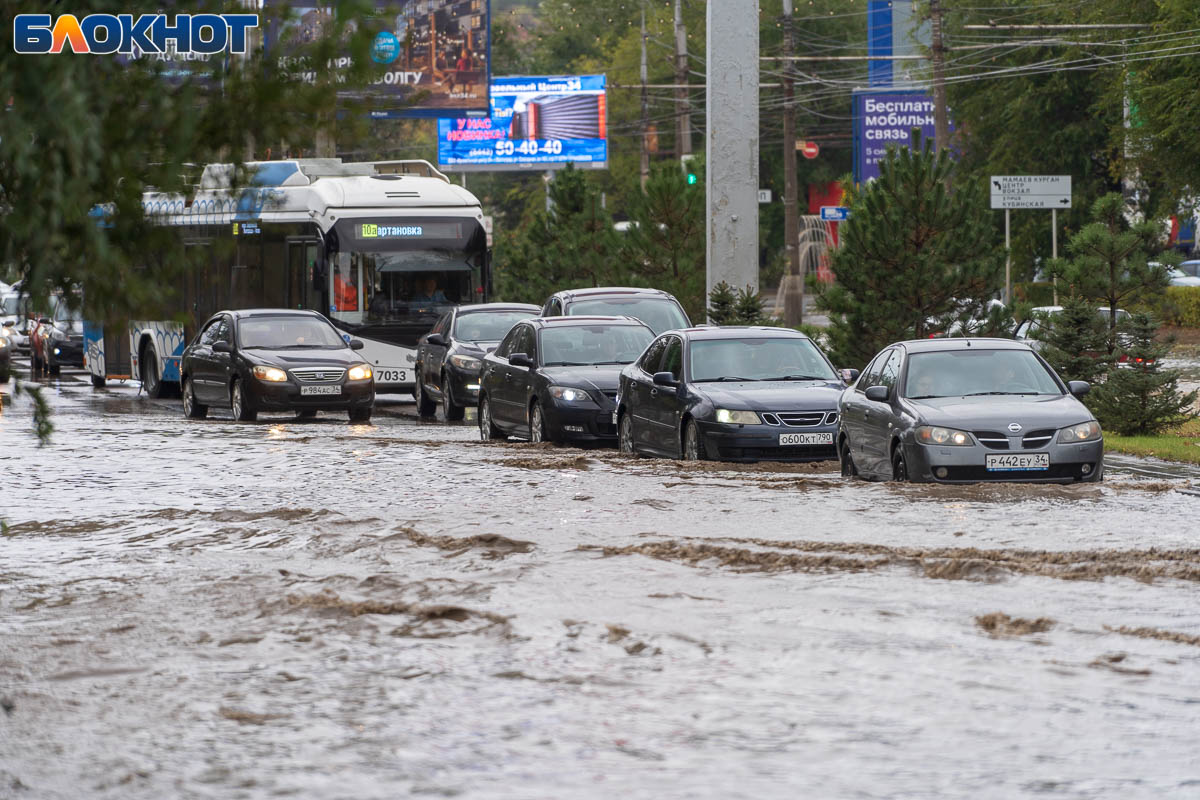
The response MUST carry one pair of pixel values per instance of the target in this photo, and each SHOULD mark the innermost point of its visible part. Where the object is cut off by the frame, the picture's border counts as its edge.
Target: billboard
(435, 54)
(885, 118)
(543, 122)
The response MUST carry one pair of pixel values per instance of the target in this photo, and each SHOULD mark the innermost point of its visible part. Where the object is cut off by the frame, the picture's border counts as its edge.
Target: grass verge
(1176, 444)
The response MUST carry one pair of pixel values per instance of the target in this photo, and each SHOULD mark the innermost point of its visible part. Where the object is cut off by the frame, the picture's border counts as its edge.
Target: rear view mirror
(1079, 388)
(849, 376)
(878, 393)
(436, 339)
(357, 344)
(665, 379)
(520, 360)
(222, 347)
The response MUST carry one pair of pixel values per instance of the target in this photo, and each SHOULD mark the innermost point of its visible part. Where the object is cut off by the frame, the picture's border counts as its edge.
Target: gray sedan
(966, 410)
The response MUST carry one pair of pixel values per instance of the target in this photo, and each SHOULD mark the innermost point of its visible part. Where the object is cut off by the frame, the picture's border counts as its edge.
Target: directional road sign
(1031, 191)
(835, 213)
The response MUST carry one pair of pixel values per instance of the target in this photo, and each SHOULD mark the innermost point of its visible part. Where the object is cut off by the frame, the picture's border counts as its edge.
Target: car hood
(304, 358)
(477, 348)
(601, 377)
(1031, 412)
(773, 395)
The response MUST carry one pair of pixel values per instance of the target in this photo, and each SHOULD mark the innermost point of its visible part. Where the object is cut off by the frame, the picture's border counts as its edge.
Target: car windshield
(64, 314)
(660, 313)
(487, 326)
(759, 359)
(582, 345)
(287, 333)
(959, 373)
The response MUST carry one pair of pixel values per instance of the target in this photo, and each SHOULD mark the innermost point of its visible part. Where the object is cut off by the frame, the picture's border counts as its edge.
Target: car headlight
(270, 374)
(730, 417)
(57, 335)
(3, 342)
(359, 372)
(569, 394)
(1083, 432)
(6, 331)
(466, 362)
(931, 434)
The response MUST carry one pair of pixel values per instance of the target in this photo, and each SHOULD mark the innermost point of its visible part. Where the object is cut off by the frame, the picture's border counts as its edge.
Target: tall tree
(912, 250)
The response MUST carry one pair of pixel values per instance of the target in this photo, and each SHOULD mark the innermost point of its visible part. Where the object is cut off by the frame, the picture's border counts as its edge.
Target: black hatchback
(275, 360)
(553, 379)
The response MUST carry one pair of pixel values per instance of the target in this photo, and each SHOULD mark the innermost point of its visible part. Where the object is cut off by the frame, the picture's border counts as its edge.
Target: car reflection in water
(734, 394)
(966, 410)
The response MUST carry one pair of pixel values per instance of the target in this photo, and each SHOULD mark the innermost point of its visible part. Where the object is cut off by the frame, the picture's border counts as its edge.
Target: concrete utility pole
(731, 143)
(941, 117)
(645, 108)
(683, 119)
(793, 289)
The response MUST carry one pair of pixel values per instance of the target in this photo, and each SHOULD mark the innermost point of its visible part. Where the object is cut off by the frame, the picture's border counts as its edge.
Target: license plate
(320, 390)
(1025, 462)
(805, 438)
(390, 375)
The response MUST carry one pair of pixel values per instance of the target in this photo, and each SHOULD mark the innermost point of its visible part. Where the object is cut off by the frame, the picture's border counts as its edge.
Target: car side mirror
(436, 339)
(357, 344)
(665, 379)
(879, 394)
(10, 323)
(520, 360)
(849, 376)
(222, 347)
(1079, 388)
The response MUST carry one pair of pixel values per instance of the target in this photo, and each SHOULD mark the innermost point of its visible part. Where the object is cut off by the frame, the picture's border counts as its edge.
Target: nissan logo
(1015, 427)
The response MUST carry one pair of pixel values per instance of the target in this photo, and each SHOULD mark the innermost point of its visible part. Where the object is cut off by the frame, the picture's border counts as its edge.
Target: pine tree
(1076, 342)
(722, 305)
(911, 251)
(1142, 397)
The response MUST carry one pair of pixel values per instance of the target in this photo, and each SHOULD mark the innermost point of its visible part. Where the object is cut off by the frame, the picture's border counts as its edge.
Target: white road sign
(1031, 191)
(764, 195)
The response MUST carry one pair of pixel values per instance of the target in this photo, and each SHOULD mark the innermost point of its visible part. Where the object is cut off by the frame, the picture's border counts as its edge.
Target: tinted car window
(870, 376)
(442, 325)
(757, 358)
(958, 373)
(673, 357)
(211, 334)
(660, 313)
(281, 333)
(593, 344)
(480, 326)
(506, 345)
(890, 374)
(653, 356)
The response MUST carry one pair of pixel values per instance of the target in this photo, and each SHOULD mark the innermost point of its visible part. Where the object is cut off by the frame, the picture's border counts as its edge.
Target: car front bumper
(463, 385)
(1068, 463)
(761, 442)
(285, 396)
(581, 423)
(65, 352)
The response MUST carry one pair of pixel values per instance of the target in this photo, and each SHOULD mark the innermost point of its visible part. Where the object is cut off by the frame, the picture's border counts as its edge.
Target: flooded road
(317, 609)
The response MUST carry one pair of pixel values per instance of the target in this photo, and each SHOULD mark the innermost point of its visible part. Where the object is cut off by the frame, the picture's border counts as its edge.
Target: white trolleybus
(381, 248)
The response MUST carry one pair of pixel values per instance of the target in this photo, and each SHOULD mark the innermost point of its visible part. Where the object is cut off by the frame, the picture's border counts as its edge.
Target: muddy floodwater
(204, 609)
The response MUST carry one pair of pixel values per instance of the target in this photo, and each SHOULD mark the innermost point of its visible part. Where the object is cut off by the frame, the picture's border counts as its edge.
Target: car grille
(993, 440)
(1037, 439)
(800, 419)
(327, 375)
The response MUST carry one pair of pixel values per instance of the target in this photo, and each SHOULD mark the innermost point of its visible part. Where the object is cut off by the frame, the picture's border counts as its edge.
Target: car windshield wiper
(928, 396)
(799, 378)
(730, 378)
(980, 394)
(566, 364)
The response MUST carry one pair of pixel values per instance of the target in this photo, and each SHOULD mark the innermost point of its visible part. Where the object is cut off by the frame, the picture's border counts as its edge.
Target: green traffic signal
(691, 178)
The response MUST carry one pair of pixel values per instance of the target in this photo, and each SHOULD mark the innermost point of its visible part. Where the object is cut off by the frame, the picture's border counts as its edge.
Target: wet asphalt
(320, 609)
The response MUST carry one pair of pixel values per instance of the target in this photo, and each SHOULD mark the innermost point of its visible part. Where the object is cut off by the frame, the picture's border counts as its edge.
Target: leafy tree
(1076, 341)
(911, 251)
(572, 244)
(1110, 261)
(1142, 398)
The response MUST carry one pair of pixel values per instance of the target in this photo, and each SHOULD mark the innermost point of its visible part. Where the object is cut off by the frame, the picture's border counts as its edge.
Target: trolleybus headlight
(359, 372)
(270, 374)
(1083, 432)
(466, 362)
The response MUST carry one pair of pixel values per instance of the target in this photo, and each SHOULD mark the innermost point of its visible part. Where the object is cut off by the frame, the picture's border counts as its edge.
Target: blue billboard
(536, 121)
(883, 118)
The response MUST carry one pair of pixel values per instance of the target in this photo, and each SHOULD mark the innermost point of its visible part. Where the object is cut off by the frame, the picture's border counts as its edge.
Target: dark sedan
(734, 394)
(449, 357)
(657, 309)
(62, 343)
(6, 350)
(966, 410)
(556, 379)
(275, 360)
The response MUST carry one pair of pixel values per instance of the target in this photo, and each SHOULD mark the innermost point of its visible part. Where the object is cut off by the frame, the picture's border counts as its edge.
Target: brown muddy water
(213, 610)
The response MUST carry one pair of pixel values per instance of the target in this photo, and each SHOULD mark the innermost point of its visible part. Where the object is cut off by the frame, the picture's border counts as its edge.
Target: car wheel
(849, 470)
(362, 414)
(241, 410)
(450, 410)
(151, 381)
(899, 465)
(306, 413)
(537, 424)
(487, 428)
(625, 443)
(98, 382)
(192, 409)
(425, 406)
(693, 445)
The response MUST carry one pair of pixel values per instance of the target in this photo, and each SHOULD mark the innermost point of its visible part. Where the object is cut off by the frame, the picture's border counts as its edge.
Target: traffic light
(689, 169)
